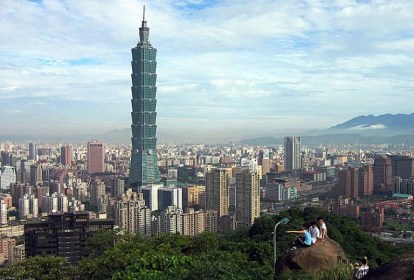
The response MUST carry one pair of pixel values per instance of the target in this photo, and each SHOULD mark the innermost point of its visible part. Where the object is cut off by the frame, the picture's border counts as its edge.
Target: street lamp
(282, 221)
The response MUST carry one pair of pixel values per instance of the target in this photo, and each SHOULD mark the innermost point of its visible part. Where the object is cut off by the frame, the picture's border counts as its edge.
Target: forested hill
(245, 254)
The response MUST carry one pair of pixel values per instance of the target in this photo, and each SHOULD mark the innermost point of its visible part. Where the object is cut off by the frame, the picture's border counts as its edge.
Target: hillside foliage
(239, 255)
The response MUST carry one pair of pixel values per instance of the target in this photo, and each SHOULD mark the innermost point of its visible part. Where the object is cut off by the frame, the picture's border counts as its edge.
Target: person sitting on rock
(314, 232)
(362, 269)
(304, 240)
(323, 229)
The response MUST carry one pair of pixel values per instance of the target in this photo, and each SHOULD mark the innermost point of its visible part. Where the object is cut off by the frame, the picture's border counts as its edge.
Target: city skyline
(274, 67)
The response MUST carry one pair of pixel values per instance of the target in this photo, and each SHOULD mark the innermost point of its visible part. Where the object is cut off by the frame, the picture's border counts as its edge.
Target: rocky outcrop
(321, 255)
(400, 268)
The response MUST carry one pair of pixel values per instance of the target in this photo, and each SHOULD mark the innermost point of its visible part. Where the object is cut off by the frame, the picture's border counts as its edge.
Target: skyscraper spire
(144, 22)
(143, 30)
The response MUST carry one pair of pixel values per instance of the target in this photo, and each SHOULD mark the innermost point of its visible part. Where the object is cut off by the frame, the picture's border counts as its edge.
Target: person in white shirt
(323, 229)
(363, 269)
(314, 232)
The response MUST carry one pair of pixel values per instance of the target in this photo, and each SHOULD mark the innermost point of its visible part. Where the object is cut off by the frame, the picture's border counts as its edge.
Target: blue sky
(225, 68)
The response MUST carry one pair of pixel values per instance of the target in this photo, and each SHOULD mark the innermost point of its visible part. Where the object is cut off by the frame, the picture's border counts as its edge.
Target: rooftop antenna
(144, 23)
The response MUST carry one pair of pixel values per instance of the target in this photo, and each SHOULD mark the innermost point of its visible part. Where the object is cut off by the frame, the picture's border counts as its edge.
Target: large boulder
(321, 255)
(400, 268)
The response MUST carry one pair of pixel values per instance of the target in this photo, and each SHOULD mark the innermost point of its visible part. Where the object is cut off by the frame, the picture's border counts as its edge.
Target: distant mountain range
(388, 128)
(401, 123)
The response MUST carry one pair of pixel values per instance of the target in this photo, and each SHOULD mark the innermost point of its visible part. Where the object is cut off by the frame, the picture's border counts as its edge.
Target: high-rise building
(191, 196)
(217, 198)
(293, 157)
(192, 222)
(66, 155)
(170, 221)
(170, 196)
(365, 181)
(402, 166)
(36, 174)
(3, 213)
(6, 248)
(144, 163)
(150, 193)
(118, 187)
(264, 161)
(7, 177)
(132, 214)
(32, 151)
(382, 170)
(28, 207)
(96, 157)
(64, 235)
(97, 191)
(248, 197)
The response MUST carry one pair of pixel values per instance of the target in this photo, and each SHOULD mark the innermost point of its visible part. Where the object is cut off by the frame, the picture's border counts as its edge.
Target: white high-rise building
(150, 193)
(3, 213)
(7, 177)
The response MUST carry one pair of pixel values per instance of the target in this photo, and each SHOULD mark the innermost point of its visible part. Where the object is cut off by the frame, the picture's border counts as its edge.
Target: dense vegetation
(239, 255)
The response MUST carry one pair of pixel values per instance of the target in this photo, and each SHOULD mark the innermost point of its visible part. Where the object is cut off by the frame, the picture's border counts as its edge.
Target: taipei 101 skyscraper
(144, 164)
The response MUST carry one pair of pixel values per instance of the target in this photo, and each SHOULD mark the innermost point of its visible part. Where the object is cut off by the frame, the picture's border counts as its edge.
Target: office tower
(144, 163)
(66, 155)
(132, 214)
(96, 157)
(217, 198)
(365, 181)
(25, 170)
(32, 151)
(248, 197)
(170, 196)
(7, 177)
(264, 161)
(293, 157)
(150, 193)
(192, 195)
(64, 235)
(402, 166)
(5, 158)
(118, 187)
(3, 213)
(382, 170)
(36, 174)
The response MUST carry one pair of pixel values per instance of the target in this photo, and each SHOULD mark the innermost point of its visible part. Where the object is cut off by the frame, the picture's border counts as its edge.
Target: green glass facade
(144, 164)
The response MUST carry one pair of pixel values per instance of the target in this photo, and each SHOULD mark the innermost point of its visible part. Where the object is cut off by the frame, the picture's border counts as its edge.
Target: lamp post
(283, 221)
